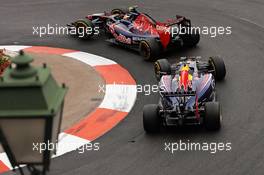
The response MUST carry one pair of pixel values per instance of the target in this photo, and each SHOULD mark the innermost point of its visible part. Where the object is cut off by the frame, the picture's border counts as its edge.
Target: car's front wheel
(218, 65)
(162, 66)
(84, 28)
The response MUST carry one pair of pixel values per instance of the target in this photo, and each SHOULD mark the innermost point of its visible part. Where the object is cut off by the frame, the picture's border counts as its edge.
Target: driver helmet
(186, 67)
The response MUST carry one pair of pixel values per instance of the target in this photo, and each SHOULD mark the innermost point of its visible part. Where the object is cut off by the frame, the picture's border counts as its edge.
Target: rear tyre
(85, 28)
(192, 39)
(150, 49)
(162, 66)
(212, 119)
(151, 120)
(218, 66)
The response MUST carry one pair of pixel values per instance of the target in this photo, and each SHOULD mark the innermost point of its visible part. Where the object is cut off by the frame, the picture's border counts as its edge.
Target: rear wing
(178, 20)
(179, 94)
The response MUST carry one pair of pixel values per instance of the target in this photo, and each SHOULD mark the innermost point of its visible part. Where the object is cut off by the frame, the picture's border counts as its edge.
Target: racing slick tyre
(161, 67)
(151, 120)
(212, 118)
(150, 49)
(119, 11)
(191, 39)
(85, 28)
(218, 66)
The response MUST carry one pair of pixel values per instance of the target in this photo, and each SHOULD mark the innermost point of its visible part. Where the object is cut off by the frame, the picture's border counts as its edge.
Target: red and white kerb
(120, 96)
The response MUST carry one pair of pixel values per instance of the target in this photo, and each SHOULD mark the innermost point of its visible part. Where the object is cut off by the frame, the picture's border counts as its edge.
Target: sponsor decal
(162, 28)
(121, 38)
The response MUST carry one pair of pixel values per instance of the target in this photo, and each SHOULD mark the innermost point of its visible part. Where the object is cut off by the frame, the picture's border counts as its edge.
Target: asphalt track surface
(126, 149)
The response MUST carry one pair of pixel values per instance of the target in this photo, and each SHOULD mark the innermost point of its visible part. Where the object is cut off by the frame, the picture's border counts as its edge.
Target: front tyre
(150, 49)
(218, 66)
(151, 120)
(85, 28)
(161, 67)
(212, 118)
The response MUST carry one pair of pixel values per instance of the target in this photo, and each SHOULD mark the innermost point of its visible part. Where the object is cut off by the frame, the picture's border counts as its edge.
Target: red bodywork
(144, 23)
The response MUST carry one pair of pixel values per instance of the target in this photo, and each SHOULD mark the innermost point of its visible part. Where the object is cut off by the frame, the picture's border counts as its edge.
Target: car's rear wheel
(191, 39)
(218, 66)
(151, 120)
(150, 49)
(212, 118)
(85, 28)
(162, 66)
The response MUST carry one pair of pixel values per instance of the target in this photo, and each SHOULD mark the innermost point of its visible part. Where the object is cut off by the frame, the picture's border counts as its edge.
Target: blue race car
(187, 94)
(138, 31)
